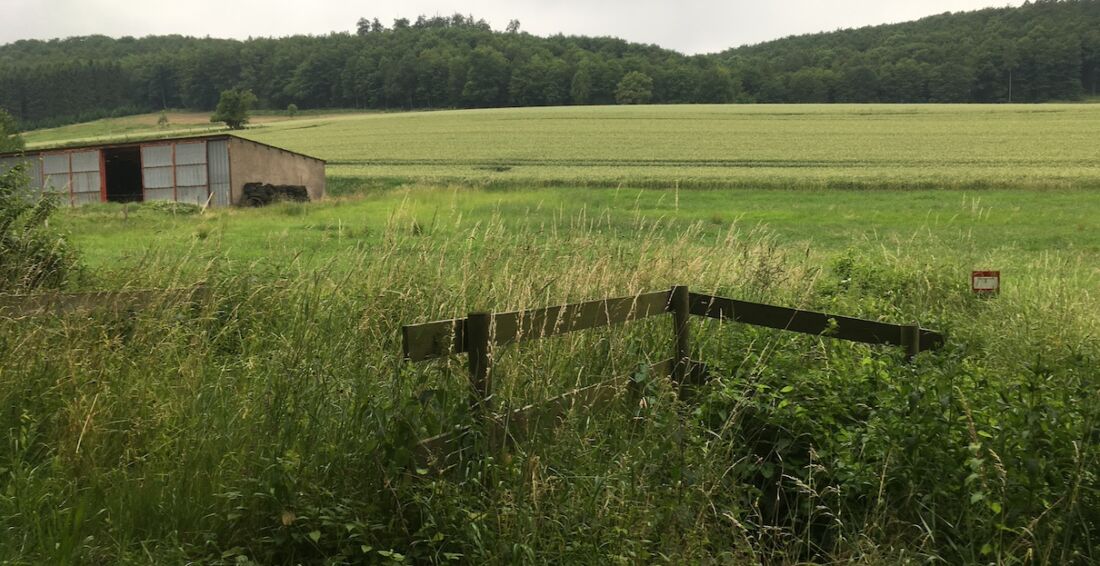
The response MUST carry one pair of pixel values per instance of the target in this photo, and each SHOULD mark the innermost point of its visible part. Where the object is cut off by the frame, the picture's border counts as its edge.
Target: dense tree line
(1041, 51)
(1049, 50)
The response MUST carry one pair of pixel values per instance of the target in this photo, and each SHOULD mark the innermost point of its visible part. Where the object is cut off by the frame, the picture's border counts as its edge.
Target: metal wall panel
(86, 182)
(175, 171)
(192, 195)
(191, 182)
(217, 160)
(156, 156)
(32, 168)
(191, 153)
(85, 161)
(86, 178)
(191, 175)
(156, 172)
(86, 198)
(157, 177)
(9, 163)
(34, 171)
(159, 194)
(55, 169)
(55, 163)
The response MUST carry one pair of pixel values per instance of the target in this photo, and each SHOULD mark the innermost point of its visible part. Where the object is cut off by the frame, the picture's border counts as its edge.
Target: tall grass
(274, 421)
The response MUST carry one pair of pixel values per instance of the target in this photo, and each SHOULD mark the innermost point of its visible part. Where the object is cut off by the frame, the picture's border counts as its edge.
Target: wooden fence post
(910, 338)
(679, 304)
(477, 345)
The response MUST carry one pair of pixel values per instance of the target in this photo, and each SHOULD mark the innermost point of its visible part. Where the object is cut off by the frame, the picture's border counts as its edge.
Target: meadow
(272, 422)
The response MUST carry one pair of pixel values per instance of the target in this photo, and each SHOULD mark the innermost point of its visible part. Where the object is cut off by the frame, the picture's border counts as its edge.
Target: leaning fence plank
(442, 449)
(434, 339)
(57, 304)
(517, 423)
(808, 322)
(540, 323)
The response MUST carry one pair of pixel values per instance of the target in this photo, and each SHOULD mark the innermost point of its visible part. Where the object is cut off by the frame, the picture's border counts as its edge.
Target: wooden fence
(476, 334)
(57, 304)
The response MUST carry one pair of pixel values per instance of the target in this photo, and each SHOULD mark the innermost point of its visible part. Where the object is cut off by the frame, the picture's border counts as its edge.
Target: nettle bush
(32, 256)
(965, 455)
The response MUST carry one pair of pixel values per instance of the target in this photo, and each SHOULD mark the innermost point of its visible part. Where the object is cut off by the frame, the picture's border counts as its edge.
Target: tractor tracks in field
(508, 163)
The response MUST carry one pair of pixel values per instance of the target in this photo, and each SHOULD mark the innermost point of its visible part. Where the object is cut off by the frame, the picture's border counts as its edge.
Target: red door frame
(102, 175)
(141, 170)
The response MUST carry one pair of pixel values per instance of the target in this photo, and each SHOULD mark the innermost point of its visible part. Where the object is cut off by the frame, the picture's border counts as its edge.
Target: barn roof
(150, 139)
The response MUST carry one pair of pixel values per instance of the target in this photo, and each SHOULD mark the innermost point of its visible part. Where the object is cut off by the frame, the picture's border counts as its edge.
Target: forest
(1042, 51)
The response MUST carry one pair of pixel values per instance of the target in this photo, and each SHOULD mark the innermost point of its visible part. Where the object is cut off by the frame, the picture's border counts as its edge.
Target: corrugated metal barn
(204, 169)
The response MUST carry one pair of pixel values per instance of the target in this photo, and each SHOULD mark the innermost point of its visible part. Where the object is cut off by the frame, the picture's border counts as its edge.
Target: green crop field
(272, 422)
(789, 146)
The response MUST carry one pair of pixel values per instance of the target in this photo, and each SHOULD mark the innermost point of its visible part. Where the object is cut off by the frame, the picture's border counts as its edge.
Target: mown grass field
(141, 126)
(987, 228)
(272, 423)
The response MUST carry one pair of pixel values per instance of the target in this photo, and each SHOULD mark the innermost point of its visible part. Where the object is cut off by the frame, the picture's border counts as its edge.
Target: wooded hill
(1048, 50)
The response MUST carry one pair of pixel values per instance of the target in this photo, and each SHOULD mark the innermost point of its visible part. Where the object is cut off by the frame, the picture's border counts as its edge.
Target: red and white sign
(985, 282)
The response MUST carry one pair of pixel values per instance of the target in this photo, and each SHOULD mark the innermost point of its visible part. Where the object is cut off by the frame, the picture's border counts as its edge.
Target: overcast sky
(690, 26)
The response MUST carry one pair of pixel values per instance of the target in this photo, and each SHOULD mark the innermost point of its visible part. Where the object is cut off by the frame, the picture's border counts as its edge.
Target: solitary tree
(635, 88)
(10, 140)
(362, 27)
(233, 108)
(292, 110)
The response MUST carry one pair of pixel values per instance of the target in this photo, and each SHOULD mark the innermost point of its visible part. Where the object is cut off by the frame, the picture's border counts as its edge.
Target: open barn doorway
(123, 174)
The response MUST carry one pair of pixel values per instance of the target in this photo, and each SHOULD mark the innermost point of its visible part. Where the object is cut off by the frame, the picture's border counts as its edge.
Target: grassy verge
(991, 228)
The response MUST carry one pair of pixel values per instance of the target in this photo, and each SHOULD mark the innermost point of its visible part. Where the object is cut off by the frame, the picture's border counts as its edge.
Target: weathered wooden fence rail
(479, 332)
(475, 334)
(57, 304)
(914, 338)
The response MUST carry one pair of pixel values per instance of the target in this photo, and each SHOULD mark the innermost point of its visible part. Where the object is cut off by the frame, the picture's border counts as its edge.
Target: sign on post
(985, 282)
